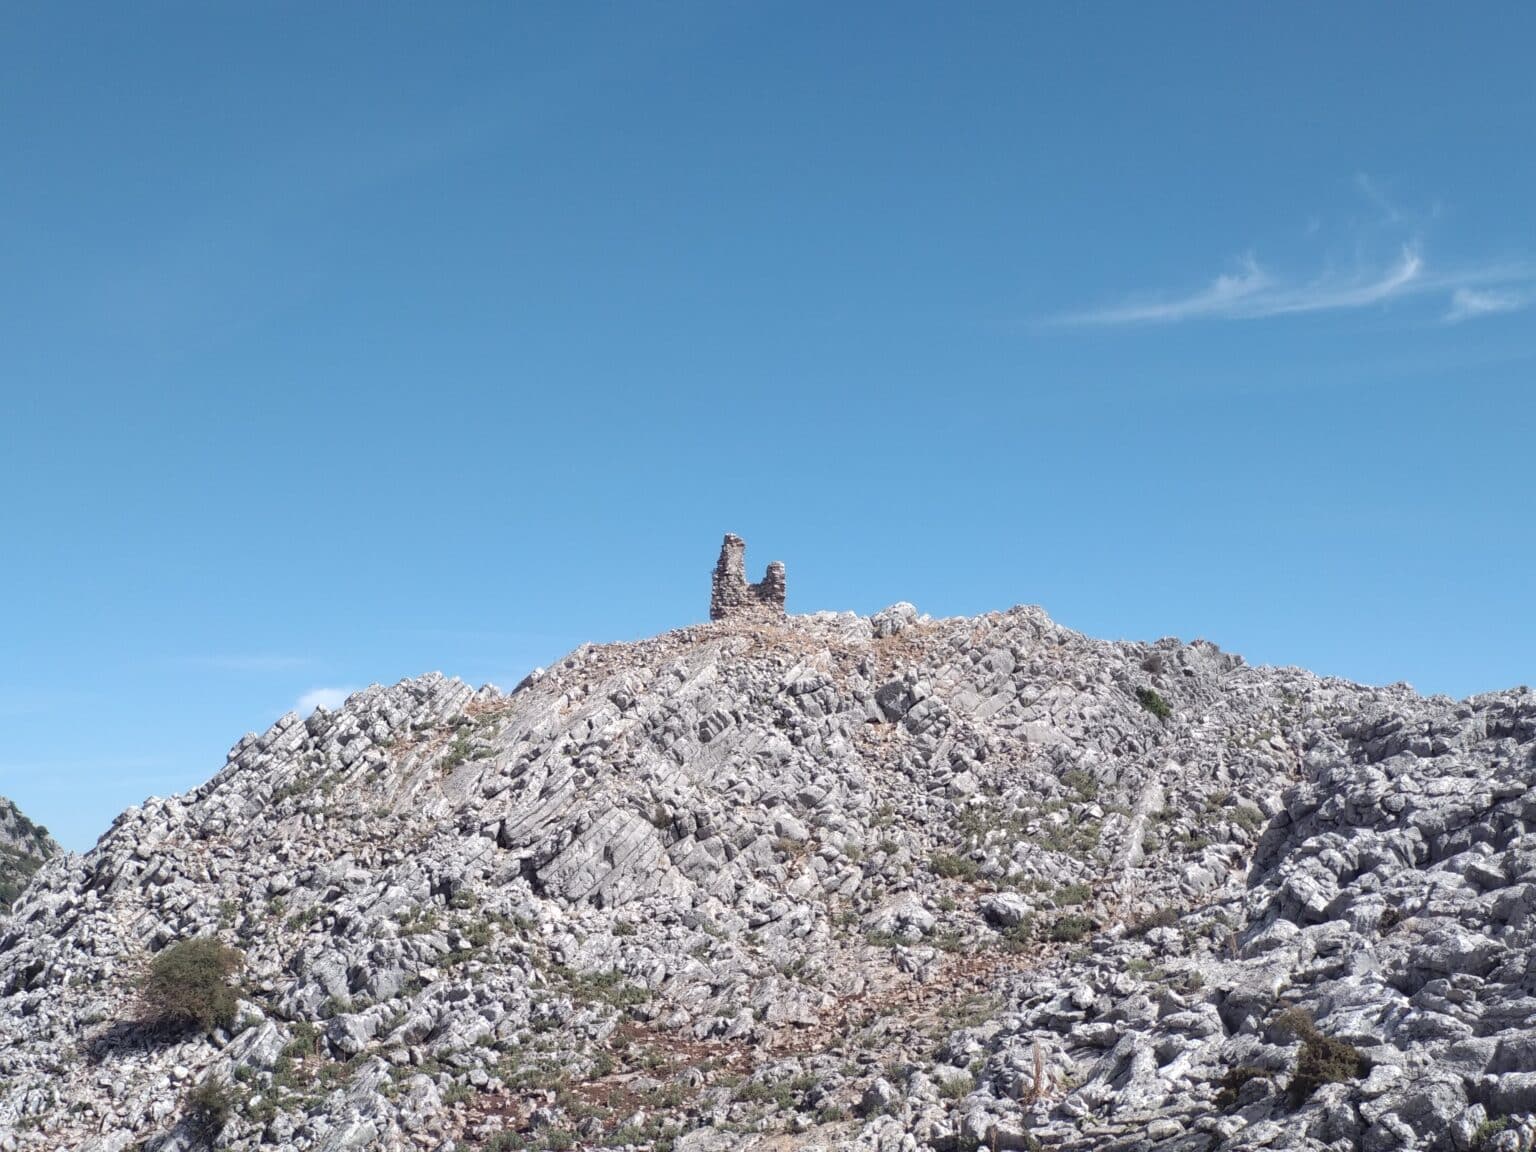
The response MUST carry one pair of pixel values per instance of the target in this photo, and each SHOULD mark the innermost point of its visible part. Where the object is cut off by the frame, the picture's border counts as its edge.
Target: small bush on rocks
(1482, 1138)
(1161, 918)
(1069, 929)
(187, 985)
(957, 1087)
(208, 1107)
(952, 867)
(1152, 701)
(1322, 1059)
(1069, 894)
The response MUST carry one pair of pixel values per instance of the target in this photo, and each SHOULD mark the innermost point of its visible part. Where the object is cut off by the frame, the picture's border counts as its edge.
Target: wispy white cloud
(1221, 297)
(327, 698)
(1253, 293)
(1470, 303)
(1376, 276)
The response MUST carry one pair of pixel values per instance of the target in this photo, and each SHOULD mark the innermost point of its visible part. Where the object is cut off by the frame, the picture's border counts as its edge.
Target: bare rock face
(24, 847)
(886, 883)
(732, 598)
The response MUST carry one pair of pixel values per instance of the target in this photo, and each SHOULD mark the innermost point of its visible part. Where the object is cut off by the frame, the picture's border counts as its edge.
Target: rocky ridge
(24, 846)
(885, 883)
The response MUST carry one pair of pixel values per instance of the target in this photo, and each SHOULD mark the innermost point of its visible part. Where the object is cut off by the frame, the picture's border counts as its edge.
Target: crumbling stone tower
(732, 598)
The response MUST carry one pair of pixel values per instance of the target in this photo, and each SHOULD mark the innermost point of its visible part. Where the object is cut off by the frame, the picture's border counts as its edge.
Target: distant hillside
(24, 846)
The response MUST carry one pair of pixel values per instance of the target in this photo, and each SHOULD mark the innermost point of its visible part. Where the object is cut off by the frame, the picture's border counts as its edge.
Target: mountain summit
(811, 882)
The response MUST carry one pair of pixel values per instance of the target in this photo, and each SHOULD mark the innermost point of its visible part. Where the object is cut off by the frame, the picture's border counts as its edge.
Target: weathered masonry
(732, 598)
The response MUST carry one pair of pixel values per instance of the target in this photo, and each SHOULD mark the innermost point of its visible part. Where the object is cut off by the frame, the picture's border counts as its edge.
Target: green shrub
(1322, 1059)
(1250, 818)
(957, 1087)
(1069, 929)
(1020, 937)
(208, 1107)
(1083, 783)
(1482, 1137)
(1069, 894)
(952, 867)
(187, 985)
(1153, 703)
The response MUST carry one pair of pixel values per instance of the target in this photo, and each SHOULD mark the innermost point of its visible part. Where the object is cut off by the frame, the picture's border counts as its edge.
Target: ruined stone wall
(732, 598)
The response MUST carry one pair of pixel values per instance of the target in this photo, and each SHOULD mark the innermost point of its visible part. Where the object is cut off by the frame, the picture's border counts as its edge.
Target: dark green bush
(1322, 1059)
(188, 985)
(1153, 703)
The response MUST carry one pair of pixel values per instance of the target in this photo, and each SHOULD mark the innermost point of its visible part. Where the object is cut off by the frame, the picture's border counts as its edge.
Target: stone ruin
(732, 598)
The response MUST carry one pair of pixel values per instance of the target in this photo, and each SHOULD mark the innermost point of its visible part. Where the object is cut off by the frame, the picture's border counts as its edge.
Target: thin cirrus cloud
(1470, 303)
(1254, 293)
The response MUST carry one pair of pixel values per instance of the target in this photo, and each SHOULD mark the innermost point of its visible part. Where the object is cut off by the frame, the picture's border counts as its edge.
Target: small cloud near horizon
(327, 698)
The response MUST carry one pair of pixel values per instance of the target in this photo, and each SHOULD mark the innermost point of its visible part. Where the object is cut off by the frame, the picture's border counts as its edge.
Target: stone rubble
(820, 882)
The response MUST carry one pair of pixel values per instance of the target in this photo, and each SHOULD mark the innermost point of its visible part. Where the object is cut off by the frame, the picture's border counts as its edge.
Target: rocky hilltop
(815, 882)
(23, 848)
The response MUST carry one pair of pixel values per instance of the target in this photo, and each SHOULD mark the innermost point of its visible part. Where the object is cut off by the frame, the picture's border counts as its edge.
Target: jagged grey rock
(24, 846)
(820, 882)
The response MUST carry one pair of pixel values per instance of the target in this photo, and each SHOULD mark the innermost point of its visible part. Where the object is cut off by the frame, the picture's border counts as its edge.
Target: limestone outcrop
(24, 846)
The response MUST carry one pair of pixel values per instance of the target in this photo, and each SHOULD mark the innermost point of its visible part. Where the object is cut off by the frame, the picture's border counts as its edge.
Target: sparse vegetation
(1322, 1059)
(209, 1106)
(1083, 783)
(1231, 1084)
(188, 985)
(957, 1087)
(953, 867)
(1161, 918)
(19, 864)
(1153, 702)
(611, 988)
(1249, 818)
(1069, 929)
(458, 752)
(1069, 894)
(1482, 1136)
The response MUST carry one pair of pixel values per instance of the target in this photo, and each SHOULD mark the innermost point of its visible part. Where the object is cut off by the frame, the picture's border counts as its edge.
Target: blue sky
(340, 343)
